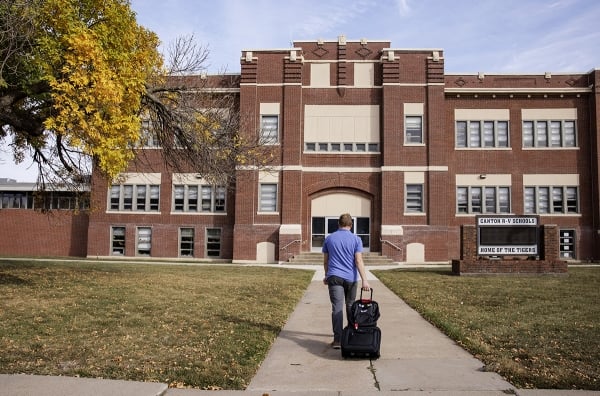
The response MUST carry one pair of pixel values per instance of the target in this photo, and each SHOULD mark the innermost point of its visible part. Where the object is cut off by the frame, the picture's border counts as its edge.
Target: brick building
(411, 152)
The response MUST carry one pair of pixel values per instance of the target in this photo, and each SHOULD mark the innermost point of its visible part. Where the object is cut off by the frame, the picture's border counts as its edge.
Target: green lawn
(536, 331)
(207, 327)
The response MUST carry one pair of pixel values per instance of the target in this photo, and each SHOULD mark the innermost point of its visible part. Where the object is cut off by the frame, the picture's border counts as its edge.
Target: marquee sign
(507, 235)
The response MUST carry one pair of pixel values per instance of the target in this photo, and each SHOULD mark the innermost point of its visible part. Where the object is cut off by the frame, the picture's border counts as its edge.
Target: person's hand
(325, 280)
(366, 286)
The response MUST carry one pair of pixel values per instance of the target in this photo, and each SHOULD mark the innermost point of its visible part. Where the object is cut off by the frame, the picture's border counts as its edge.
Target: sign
(507, 235)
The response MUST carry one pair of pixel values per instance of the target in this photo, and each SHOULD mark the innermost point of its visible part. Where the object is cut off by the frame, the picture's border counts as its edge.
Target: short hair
(345, 220)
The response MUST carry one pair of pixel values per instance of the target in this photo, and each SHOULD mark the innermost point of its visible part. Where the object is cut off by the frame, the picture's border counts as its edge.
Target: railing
(392, 244)
(291, 243)
(288, 254)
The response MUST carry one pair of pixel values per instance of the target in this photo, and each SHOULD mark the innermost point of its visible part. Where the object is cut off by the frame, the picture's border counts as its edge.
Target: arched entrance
(326, 210)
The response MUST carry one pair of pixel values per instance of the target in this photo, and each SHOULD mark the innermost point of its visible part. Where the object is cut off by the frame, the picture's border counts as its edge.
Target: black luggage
(363, 342)
(362, 338)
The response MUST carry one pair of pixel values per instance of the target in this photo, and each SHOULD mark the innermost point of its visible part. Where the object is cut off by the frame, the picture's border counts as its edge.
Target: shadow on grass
(8, 279)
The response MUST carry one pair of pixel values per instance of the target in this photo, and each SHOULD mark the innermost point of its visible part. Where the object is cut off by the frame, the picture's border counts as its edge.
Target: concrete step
(370, 258)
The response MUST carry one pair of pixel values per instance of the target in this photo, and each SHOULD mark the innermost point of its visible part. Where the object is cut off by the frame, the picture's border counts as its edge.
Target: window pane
(474, 134)
(414, 198)
(557, 200)
(268, 198)
(502, 133)
(115, 192)
(476, 199)
(269, 128)
(206, 198)
(527, 133)
(462, 202)
(541, 129)
(140, 203)
(193, 198)
(414, 129)
(555, 140)
(488, 134)
(490, 200)
(569, 133)
(118, 241)
(144, 241)
(544, 200)
(154, 197)
(504, 199)
(572, 206)
(310, 147)
(529, 206)
(127, 197)
(220, 199)
(213, 242)
(186, 242)
(178, 197)
(461, 134)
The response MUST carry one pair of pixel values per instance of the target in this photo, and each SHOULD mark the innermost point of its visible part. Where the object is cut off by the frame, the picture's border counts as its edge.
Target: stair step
(369, 258)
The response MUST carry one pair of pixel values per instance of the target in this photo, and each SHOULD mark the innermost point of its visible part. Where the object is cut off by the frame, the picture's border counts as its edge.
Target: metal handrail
(292, 242)
(392, 244)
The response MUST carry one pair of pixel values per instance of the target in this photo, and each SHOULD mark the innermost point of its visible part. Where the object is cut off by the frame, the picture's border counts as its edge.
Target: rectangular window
(213, 242)
(186, 242)
(549, 133)
(413, 133)
(185, 198)
(567, 244)
(117, 241)
(132, 197)
(144, 241)
(268, 197)
(414, 198)
(481, 134)
(551, 199)
(476, 199)
(178, 198)
(269, 129)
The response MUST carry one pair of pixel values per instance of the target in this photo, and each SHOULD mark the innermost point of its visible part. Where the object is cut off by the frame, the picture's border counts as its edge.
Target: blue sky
(503, 36)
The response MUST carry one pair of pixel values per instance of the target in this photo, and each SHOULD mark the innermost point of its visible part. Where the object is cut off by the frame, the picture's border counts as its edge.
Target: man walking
(343, 262)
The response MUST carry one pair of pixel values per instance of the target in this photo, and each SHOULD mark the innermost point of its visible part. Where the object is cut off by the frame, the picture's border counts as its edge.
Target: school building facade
(385, 134)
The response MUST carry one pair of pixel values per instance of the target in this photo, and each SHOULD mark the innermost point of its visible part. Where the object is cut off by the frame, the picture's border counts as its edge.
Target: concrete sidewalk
(416, 359)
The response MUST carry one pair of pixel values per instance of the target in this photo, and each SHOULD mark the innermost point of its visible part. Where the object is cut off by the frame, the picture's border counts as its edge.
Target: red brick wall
(30, 233)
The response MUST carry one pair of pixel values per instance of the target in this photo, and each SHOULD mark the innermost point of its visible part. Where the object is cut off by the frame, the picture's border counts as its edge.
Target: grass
(538, 332)
(205, 327)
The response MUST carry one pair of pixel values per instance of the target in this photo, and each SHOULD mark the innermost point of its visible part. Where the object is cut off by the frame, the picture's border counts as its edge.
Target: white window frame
(134, 198)
(551, 200)
(540, 133)
(113, 248)
(474, 199)
(268, 200)
(210, 243)
(188, 249)
(410, 135)
(143, 238)
(477, 134)
(414, 193)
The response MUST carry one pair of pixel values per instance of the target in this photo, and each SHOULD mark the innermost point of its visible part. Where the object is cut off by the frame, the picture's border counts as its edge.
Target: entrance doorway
(323, 226)
(326, 211)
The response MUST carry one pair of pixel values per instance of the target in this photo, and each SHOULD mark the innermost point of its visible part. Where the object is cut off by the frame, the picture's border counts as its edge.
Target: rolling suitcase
(362, 338)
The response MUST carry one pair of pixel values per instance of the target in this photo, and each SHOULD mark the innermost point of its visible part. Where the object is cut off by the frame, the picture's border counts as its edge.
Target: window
(186, 242)
(481, 134)
(414, 198)
(148, 137)
(213, 242)
(269, 129)
(479, 199)
(268, 197)
(544, 133)
(551, 199)
(339, 147)
(117, 239)
(133, 197)
(413, 130)
(212, 198)
(144, 241)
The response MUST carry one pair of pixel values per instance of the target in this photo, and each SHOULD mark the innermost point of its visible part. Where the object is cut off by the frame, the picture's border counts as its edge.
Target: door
(323, 226)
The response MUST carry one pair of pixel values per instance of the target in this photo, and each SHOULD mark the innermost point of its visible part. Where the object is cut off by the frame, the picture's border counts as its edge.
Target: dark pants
(342, 293)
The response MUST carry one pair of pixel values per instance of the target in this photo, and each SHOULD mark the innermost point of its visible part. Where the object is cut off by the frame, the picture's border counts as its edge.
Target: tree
(79, 77)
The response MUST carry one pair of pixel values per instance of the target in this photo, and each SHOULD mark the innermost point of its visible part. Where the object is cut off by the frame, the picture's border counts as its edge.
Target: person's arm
(360, 265)
(325, 266)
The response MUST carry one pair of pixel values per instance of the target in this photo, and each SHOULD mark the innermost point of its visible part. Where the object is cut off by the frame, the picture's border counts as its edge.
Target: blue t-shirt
(341, 246)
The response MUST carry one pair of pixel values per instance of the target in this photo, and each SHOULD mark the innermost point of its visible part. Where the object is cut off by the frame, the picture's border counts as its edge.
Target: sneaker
(335, 345)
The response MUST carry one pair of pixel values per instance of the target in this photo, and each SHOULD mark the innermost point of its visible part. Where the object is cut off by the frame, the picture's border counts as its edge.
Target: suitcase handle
(361, 295)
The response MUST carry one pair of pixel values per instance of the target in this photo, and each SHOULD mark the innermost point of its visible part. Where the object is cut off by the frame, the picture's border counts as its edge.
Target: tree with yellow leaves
(79, 78)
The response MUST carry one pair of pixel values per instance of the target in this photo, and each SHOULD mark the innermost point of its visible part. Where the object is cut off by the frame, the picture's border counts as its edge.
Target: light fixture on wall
(483, 176)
